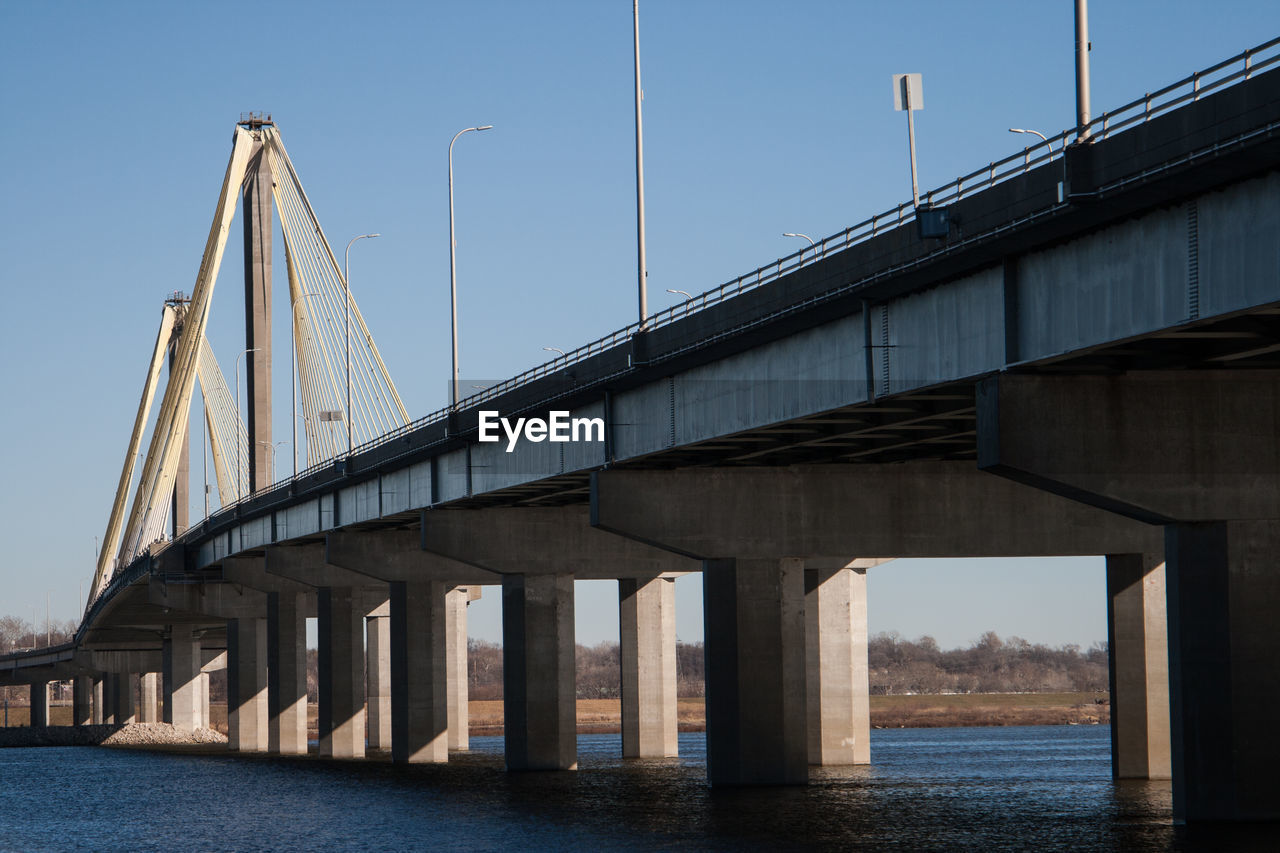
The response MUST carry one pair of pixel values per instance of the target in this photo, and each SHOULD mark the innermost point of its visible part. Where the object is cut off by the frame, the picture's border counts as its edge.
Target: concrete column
(180, 510)
(457, 693)
(182, 699)
(1138, 646)
(148, 706)
(110, 703)
(39, 703)
(341, 640)
(257, 306)
(538, 672)
(836, 679)
(98, 713)
(1223, 594)
(124, 701)
(378, 680)
(82, 701)
(419, 683)
(286, 674)
(247, 685)
(647, 643)
(202, 718)
(755, 670)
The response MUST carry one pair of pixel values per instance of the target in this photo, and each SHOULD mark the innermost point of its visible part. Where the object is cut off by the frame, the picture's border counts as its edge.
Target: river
(1026, 788)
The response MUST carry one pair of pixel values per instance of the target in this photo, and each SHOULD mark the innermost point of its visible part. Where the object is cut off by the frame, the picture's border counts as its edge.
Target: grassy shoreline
(602, 716)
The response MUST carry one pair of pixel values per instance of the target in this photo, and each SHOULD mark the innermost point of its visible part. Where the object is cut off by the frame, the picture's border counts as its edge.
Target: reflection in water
(929, 789)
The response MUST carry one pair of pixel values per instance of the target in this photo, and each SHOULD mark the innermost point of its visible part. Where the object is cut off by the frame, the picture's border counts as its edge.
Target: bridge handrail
(1138, 111)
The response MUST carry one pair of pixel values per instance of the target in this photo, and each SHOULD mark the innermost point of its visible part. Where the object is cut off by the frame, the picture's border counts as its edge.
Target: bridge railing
(1191, 88)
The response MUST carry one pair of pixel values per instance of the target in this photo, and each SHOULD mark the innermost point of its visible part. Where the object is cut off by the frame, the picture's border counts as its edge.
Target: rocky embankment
(138, 734)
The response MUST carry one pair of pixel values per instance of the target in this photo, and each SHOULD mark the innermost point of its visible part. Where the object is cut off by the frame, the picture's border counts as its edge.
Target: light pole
(641, 266)
(683, 293)
(274, 448)
(346, 287)
(554, 349)
(239, 449)
(453, 264)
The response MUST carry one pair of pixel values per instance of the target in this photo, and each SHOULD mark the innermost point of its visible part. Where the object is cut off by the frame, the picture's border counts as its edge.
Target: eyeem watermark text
(558, 427)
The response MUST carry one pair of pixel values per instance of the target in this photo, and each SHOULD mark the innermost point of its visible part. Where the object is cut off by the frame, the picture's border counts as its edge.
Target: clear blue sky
(759, 118)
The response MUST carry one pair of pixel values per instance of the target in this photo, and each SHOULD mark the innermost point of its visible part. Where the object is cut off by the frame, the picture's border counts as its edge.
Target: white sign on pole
(915, 91)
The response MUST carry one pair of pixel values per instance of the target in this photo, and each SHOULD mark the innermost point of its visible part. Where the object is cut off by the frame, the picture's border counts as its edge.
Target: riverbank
(138, 734)
(604, 716)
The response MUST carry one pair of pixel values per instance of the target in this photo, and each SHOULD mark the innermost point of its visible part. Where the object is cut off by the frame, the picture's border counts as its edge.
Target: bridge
(1075, 350)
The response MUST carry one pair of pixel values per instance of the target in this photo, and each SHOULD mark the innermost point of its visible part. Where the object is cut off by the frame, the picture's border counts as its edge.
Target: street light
(798, 234)
(273, 447)
(453, 264)
(1036, 132)
(346, 287)
(239, 449)
(683, 293)
(554, 349)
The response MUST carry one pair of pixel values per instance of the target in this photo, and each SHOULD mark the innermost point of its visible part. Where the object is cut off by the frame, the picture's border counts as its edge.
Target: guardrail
(1190, 88)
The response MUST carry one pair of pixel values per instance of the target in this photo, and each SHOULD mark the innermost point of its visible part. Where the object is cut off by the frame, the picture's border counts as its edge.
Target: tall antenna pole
(1083, 113)
(643, 271)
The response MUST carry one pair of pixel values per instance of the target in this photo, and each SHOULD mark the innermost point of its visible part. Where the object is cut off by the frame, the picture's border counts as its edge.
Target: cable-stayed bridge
(1074, 352)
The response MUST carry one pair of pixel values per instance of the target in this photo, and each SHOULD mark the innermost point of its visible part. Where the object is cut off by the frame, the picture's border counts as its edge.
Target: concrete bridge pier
(1138, 646)
(286, 673)
(39, 703)
(647, 633)
(836, 677)
(82, 700)
(1196, 452)
(185, 700)
(378, 680)
(247, 684)
(342, 673)
(427, 636)
(122, 705)
(539, 552)
(419, 679)
(97, 701)
(538, 690)
(148, 698)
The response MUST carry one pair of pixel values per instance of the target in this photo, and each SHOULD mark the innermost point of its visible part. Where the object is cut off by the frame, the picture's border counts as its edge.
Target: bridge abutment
(1197, 453)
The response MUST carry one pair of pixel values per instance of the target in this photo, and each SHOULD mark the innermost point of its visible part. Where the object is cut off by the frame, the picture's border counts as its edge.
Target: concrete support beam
(110, 702)
(98, 715)
(341, 653)
(148, 697)
(183, 702)
(755, 671)
(1160, 447)
(286, 673)
(1138, 644)
(942, 509)
(39, 703)
(419, 679)
(647, 644)
(397, 555)
(836, 679)
(247, 685)
(457, 694)
(543, 540)
(82, 701)
(378, 680)
(538, 672)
